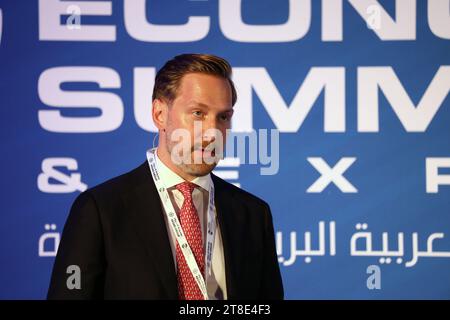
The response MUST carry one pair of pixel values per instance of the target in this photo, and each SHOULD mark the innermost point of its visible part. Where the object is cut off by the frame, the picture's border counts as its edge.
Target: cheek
(223, 131)
(176, 120)
(186, 124)
(224, 128)
(185, 121)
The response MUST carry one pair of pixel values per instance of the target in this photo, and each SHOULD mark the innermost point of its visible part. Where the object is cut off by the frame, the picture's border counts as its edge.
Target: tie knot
(186, 188)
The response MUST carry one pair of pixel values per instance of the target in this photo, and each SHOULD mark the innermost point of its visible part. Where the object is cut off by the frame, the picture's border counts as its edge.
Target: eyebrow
(203, 105)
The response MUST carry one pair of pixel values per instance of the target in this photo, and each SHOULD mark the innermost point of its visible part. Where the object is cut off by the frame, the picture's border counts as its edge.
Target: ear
(160, 113)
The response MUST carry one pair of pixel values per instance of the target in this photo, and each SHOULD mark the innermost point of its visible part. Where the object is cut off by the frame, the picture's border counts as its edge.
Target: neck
(165, 158)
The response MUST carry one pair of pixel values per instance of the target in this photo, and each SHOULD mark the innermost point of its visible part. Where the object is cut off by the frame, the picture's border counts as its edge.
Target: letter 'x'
(334, 174)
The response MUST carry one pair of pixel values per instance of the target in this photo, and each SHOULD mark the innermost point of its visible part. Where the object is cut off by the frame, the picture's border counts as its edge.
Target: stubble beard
(191, 168)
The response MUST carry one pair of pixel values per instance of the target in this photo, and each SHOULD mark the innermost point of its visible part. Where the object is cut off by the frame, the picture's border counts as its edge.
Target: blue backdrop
(357, 89)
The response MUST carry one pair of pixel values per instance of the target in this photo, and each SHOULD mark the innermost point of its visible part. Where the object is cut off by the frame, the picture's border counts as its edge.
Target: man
(124, 235)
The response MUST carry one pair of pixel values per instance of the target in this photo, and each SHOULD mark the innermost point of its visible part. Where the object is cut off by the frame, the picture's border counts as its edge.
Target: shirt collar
(171, 179)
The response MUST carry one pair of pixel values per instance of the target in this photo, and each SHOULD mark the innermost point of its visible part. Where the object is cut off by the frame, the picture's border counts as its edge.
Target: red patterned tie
(190, 222)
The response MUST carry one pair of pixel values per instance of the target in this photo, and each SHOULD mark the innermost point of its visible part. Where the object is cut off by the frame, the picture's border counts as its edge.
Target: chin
(199, 170)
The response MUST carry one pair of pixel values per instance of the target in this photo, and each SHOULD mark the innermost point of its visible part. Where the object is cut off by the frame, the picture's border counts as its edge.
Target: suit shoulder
(119, 184)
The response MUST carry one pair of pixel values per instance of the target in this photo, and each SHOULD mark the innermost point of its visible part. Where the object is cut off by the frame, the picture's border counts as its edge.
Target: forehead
(204, 88)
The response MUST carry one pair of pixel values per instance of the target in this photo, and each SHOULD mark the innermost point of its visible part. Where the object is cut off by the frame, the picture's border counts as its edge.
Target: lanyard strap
(175, 225)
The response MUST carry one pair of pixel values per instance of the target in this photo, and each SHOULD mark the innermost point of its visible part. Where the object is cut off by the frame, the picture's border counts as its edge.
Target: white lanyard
(178, 231)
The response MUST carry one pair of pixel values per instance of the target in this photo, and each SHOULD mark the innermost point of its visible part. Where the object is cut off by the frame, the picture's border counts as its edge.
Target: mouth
(211, 153)
(205, 153)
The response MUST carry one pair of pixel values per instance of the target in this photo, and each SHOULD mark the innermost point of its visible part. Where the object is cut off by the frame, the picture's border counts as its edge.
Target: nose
(210, 130)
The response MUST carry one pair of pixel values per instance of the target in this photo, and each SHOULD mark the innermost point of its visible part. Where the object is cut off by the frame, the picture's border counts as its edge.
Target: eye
(197, 113)
(225, 117)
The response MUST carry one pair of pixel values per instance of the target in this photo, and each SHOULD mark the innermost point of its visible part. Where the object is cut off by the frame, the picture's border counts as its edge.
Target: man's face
(202, 102)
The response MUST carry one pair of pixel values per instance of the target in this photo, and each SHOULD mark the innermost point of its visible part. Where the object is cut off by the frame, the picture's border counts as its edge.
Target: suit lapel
(146, 212)
(231, 218)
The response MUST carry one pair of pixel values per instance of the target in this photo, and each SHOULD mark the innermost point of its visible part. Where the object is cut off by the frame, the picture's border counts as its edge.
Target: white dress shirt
(216, 284)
